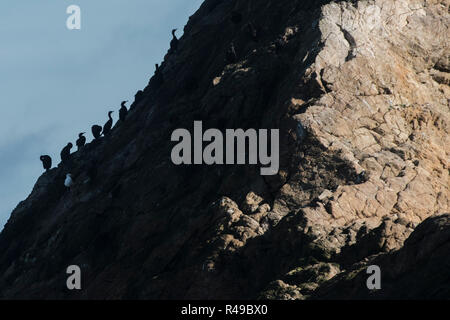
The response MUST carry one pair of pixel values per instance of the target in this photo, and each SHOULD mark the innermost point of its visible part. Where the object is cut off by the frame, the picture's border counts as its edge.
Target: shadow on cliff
(143, 217)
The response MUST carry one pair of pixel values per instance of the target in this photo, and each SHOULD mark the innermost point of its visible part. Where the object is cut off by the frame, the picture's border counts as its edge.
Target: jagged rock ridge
(360, 92)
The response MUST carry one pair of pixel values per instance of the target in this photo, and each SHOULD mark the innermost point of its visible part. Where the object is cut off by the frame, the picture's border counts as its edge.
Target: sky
(56, 82)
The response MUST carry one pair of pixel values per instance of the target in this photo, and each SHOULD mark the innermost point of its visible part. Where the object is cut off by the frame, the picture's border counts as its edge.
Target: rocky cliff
(360, 92)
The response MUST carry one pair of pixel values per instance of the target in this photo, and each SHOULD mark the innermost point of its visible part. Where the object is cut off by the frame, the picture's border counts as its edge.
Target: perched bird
(174, 42)
(231, 54)
(46, 162)
(236, 17)
(69, 181)
(65, 153)
(108, 125)
(81, 140)
(96, 131)
(123, 112)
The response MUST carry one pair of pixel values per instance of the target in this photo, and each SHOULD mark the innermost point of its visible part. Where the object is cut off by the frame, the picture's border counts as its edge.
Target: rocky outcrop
(360, 93)
(423, 261)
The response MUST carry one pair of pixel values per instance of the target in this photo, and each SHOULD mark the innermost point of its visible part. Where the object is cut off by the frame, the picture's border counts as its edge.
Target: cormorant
(236, 17)
(108, 125)
(46, 162)
(231, 54)
(65, 153)
(252, 31)
(96, 131)
(81, 140)
(123, 112)
(174, 42)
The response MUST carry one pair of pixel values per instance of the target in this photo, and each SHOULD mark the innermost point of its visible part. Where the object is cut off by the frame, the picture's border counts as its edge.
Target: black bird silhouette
(231, 54)
(65, 153)
(96, 131)
(236, 17)
(123, 112)
(174, 42)
(46, 162)
(108, 125)
(81, 140)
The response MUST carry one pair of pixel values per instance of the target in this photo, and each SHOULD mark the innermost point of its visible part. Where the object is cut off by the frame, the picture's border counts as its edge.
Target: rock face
(360, 93)
(424, 261)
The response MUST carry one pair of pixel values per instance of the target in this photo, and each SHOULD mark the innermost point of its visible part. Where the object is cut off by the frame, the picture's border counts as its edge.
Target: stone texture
(360, 93)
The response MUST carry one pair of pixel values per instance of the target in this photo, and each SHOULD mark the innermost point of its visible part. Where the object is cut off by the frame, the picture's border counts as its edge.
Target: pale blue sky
(55, 83)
